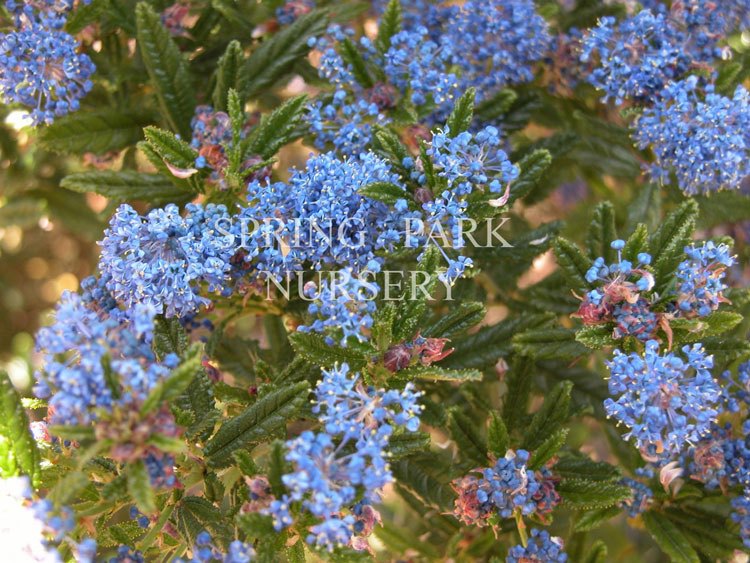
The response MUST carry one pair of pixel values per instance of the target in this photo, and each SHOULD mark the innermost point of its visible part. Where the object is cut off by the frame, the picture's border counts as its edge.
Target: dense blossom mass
(665, 400)
(340, 471)
(40, 65)
(162, 259)
(293, 324)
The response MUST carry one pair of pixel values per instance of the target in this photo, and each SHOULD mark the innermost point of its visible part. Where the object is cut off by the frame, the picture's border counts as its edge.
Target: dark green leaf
(586, 495)
(575, 467)
(176, 384)
(358, 67)
(692, 330)
(382, 326)
(256, 526)
(727, 206)
(573, 263)
(166, 68)
(391, 146)
(227, 74)
(277, 128)
(194, 515)
(465, 433)
(314, 348)
(277, 55)
(496, 106)
(438, 373)
(596, 337)
(125, 185)
(456, 320)
(412, 475)
(98, 131)
(669, 538)
(390, 25)
(383, 191)
(171, 149)
(549, 344)
(602, 232)
(169, 337)
(729, 76)
(14, 426)
(490, 343)
(462, 114)
(594, 518)
(532, 166)
(406, 444)
(139, 487)
(547, 449)
(497, 436)
(277, 468)
(258, 422)
(668, 242)
(550, 417)
(636, 243)
(84, 15)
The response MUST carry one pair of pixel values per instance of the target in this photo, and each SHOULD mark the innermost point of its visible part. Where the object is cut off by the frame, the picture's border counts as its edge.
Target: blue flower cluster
(441, 51)
(293, 9)
(541, 547)
(470, 164)
(490, 44)
(506, 489)
(640, 499)
(85, 350)
(637, 57)
(205, 551)
(343, 306)
(415, 64)
(704, 140)
(622, 293)
(319, 219)
(344, 403)
(339, 470)
(665, 400)
(495, 43)
(32, 529)
(617, 297)
(345, 120)
(472, 161)
(741, 515)
(700, 278)
(164, 259)
(40, 66)
(701, 137)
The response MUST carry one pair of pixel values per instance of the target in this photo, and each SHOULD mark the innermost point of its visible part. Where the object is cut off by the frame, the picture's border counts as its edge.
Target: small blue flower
(700, 278)
(540, 547)
(344, 403)
(640, 498)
